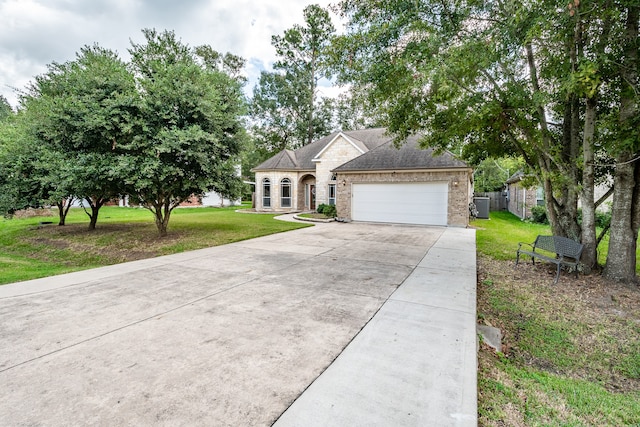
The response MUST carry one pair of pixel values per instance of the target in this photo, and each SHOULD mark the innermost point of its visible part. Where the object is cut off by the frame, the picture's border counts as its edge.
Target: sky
(34, 33)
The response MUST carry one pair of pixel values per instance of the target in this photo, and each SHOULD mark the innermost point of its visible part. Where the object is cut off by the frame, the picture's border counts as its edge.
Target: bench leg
(555, 282)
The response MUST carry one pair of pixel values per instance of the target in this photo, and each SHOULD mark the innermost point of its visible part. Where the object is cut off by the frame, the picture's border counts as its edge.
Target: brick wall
(458, 208)
(521, 200)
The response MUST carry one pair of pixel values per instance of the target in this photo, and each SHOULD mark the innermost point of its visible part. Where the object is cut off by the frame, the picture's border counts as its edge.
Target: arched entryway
(307, 193)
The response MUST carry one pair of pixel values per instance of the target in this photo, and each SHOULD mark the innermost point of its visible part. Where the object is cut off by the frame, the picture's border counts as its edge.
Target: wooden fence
(497, 200)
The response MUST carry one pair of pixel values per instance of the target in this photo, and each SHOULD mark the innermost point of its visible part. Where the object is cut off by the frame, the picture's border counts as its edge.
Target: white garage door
(403, 203)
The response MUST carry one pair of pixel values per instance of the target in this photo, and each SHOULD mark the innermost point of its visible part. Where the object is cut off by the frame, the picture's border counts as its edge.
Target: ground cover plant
(30, 249)
(571, 354)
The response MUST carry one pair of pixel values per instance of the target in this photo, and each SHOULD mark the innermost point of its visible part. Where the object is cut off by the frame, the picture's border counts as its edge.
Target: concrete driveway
(233, 335)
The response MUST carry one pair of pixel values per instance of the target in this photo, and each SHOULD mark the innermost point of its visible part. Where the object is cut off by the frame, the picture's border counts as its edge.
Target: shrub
(603, 218)
(327, 210)
(539, 215)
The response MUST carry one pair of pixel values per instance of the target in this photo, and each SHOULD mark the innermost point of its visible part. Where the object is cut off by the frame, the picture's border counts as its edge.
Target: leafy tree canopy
(191, 104)
(285, 109)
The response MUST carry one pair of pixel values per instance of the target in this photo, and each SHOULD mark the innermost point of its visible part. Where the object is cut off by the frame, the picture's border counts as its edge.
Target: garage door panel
(405, 203)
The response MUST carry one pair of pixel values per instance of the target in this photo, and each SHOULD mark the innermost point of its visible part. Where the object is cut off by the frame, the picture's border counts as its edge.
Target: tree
(84, 112)
(31, 174)
(353, 112)
(505, 78)
(191, 108)
(492, 174)
(228, 184)
(5, 109)
(285, 107)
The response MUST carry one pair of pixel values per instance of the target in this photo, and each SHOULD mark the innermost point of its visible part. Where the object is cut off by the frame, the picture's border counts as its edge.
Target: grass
(30, 250)
(571, 353)
(493, 239)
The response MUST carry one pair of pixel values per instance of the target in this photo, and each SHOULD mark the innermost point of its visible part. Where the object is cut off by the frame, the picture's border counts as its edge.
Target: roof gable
(285, 159)
(358, 145)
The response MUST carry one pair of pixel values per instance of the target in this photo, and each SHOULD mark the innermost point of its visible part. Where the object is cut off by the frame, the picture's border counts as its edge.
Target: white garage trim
(403, 202)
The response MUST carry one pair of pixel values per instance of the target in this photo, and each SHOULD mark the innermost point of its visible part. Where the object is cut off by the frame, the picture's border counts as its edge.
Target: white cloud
(35, 33)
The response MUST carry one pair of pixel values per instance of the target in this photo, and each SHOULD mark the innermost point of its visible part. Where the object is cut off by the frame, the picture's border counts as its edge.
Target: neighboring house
(521, 199)
(368, 179)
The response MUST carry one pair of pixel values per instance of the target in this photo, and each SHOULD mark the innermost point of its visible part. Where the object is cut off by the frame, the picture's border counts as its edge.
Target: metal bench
(567, 252)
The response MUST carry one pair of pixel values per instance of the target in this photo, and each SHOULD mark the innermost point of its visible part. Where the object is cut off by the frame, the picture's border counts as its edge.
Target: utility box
(482, 206)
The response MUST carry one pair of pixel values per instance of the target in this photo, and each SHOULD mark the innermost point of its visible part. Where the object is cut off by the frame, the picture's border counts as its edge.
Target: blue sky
(34, 33)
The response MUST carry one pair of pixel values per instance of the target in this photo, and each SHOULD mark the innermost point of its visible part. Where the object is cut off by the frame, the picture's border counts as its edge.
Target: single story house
(521, 199)
(367, 178)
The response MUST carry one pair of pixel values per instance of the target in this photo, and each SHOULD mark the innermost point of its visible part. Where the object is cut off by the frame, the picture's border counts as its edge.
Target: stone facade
(459, 191)
(336, 154)
(275, 180)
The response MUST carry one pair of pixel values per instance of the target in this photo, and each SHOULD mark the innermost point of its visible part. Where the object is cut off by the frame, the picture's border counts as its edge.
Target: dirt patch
(603, 316)
(111, 242)
(595, 323)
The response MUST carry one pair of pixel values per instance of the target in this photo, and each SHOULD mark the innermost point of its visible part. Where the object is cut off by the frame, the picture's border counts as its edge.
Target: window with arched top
(266, 193)
(285, 193)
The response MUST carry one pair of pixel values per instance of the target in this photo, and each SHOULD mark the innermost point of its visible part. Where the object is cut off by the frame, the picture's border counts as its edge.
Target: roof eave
(404, 170)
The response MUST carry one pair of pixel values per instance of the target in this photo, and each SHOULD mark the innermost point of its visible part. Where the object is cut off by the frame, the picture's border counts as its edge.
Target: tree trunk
(589, 254)
(63, 209)
(162, 213)
(93, 218)
(562, 212)
(95, 203)
(621, 258)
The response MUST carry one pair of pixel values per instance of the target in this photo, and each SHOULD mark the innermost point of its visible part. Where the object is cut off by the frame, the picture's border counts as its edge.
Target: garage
(403, 203)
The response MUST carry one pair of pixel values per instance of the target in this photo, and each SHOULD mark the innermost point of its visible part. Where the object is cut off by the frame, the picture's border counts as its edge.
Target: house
(367, 178)
(521, 199)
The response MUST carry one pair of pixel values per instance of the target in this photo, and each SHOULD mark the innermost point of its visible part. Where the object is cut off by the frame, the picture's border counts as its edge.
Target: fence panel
(497, 201)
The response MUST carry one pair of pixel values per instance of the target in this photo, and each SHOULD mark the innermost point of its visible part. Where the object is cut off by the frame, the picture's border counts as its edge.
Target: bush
(327, 210)
(539, 215)
(603, 218)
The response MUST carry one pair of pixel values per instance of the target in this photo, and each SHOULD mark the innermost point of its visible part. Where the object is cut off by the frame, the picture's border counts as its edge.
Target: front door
(312, 196)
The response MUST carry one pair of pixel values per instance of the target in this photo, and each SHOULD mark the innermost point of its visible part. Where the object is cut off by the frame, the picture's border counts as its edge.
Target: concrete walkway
(414, 363)
(234, 335)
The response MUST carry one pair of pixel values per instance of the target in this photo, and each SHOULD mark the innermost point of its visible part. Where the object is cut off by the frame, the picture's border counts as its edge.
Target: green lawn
(498, 236)
(30, 250)
(572, 351)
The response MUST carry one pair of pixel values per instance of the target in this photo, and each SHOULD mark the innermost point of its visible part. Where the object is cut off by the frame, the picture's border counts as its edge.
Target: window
(285, 193)
(332, 194)
(540, 196)
(266, 193)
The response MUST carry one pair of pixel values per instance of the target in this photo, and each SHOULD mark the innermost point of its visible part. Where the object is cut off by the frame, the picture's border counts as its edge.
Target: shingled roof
(408, 156)
(301, 159)
(379, 154)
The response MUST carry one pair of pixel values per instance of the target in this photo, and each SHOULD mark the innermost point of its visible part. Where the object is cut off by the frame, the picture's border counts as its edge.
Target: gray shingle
(408, 156)
(382, 154)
